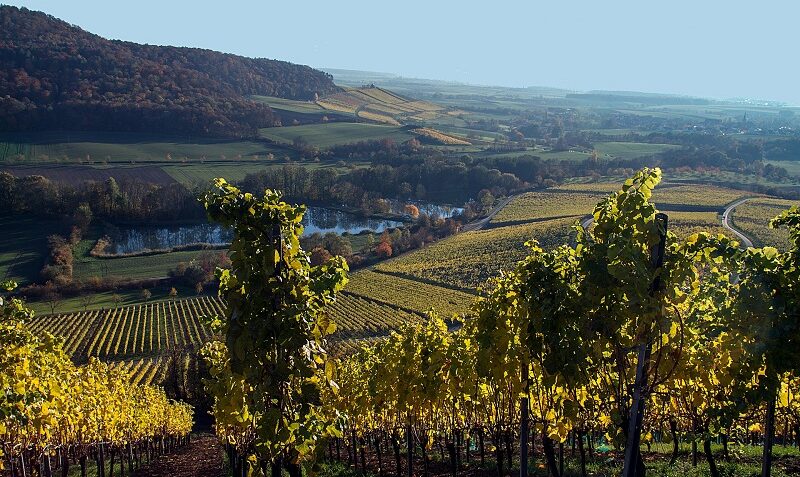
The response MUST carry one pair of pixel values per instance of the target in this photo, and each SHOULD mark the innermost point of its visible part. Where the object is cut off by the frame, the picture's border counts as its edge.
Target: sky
(707, 48)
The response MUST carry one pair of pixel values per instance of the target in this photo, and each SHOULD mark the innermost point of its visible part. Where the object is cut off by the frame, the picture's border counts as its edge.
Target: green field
(305, 107)
(98, 148)
(332, 134)
(631, 150)
(792, 167)
(133, 268)
(23, 247)
(469, 259)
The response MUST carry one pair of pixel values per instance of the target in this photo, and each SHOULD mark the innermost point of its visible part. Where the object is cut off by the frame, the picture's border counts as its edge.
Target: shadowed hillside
(54, 75)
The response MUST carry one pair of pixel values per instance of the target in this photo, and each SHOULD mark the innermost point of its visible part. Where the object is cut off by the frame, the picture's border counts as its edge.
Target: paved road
(479, 224)
(745, 241)
(587, 222)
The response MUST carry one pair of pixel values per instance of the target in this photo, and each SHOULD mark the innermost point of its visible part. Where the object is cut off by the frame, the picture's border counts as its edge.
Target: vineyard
(469, 259)
(630, 344)
(54, 414)
(752, 218)
(380, 105)
(545, 205)
(684, 224)
(413, 295)
(131, 331)
(667, 196)
(138, 338)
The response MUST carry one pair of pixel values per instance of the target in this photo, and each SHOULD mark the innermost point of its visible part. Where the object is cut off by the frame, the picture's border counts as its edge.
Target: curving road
(479, 224)
(726, 216)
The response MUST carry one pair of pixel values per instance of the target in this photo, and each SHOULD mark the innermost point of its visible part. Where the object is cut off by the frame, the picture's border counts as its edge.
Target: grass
(331, 134)
(792, 167)
(105, 300)
(134, 268)
(100, 147)
(631, 150)
(23, 248)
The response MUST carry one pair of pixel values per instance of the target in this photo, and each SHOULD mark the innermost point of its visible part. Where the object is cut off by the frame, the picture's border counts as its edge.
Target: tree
(116, 299)
(82, 217)
(53, 299)
(145, 294)
(384, 249)
(412, 210)
(319, 256)
(486, 199)
(198, 288)
(270, 371)
(87, 300)
(173, 293)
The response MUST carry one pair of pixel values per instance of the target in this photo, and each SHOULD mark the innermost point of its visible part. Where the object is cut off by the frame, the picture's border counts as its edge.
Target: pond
(317, 219)
(443, 211)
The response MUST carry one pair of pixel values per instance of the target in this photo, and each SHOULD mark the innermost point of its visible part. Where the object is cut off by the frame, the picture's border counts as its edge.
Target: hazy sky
(712, 48)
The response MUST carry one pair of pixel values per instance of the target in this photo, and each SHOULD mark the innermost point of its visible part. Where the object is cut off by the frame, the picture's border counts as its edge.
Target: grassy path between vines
(201, 458)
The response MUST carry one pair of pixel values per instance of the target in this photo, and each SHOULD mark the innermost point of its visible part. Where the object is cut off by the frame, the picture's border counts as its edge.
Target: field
(128, 331)
(631, 150)
(684, 224)
(138, 337)
(99, 147)
(753, 216)
(409, 294)
(546, 205)
(671, 196)
(23, 247)
(332, 134)
(148, 266)
(469, 259)
(380, 105)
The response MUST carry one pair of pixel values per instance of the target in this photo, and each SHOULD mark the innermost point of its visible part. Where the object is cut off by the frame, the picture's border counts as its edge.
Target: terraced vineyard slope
(753, 216)
(412, 295)
(469, 259)
(545, 205)
(140, 338)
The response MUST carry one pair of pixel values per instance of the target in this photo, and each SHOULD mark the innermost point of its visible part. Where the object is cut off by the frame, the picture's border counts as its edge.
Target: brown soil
(201, 458)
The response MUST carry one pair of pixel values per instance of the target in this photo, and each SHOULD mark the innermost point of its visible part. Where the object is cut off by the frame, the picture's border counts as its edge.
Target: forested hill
(54, 75)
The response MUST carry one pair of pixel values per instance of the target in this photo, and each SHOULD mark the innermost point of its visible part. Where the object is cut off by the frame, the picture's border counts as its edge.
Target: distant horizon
(685, 48)
(557, 88)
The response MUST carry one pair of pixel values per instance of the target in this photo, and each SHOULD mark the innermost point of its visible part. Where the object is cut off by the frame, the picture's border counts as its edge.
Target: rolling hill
(54, 75)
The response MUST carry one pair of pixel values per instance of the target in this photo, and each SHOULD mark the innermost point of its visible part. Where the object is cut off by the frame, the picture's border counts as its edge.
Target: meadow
(631, 150)
(108, 148)
(23, 247)
(332, 134)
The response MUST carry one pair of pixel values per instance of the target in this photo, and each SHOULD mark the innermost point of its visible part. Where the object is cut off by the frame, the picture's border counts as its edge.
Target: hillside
(54, 75)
